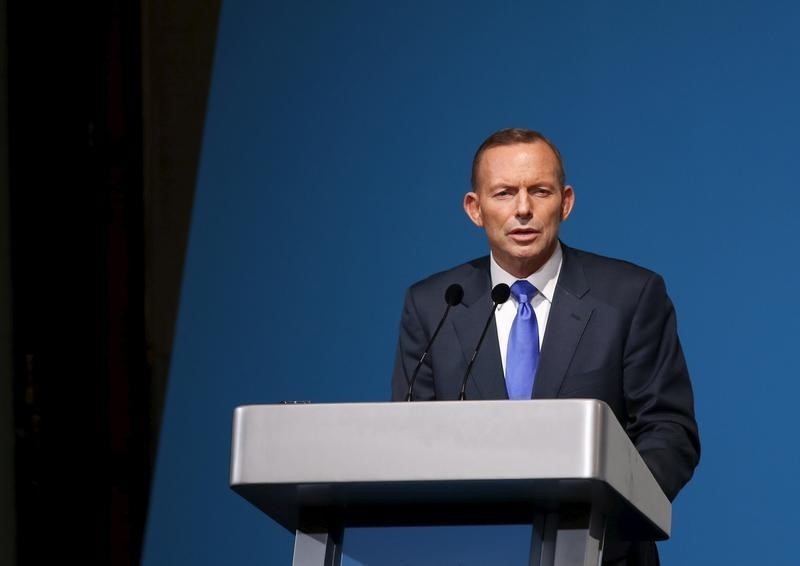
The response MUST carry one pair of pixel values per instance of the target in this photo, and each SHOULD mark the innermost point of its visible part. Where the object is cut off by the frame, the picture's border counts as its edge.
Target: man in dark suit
(606, 328)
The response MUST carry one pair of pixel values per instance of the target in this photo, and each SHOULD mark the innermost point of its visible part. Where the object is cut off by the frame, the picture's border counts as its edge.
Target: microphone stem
(462, 394)
(410, 392)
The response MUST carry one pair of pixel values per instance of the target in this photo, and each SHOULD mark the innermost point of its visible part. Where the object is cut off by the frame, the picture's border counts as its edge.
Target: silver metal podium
(564, 466)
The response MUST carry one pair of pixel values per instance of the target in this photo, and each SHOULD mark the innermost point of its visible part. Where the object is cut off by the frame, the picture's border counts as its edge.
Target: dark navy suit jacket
(611, 335)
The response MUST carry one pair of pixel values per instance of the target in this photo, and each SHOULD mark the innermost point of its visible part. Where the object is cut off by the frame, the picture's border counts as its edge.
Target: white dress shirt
(545, 282)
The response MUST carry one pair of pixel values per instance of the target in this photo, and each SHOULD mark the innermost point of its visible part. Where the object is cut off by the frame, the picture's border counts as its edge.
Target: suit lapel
(568, 317)
(486, 379)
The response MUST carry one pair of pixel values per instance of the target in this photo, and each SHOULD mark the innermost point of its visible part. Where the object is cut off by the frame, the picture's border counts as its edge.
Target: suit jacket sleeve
(657, 391)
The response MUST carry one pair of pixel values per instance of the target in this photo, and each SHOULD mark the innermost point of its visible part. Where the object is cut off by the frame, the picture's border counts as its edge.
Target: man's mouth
(523, 235)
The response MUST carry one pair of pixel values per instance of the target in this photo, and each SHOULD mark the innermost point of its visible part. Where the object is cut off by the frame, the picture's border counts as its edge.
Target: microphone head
(501, 293)
(454, 294)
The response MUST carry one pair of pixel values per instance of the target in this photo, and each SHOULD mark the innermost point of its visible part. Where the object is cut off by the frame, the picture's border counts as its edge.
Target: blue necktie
(522, 357)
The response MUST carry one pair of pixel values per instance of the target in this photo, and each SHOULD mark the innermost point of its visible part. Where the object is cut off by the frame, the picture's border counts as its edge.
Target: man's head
(519, 198)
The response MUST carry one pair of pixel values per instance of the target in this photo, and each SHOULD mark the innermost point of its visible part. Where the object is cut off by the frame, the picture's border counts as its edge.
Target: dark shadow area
(105, 113)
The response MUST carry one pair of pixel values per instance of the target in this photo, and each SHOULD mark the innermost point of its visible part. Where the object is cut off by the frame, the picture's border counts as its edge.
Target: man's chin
(531, 254)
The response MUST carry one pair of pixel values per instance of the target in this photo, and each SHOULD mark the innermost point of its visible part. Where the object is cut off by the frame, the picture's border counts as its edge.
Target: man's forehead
(509, 159)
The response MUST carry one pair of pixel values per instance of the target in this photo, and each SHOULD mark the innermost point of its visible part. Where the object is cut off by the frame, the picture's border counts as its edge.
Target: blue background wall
(337, 149)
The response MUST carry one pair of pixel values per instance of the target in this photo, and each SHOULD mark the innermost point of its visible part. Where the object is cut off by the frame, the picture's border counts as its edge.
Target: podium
(566, 467)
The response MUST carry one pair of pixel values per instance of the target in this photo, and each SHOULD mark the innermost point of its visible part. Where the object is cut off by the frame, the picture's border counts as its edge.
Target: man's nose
(523, 204)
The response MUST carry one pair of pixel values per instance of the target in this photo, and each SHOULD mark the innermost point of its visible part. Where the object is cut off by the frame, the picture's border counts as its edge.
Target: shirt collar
(544, 279)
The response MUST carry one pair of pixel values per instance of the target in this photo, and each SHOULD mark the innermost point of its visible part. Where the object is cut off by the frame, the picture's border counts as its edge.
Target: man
(584, 326)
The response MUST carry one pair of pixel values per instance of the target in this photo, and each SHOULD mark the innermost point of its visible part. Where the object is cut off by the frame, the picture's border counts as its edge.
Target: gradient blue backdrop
(337, 149)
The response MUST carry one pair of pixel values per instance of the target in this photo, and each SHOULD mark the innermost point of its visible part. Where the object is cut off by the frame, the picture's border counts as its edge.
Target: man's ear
(473, 208)
(567, 201)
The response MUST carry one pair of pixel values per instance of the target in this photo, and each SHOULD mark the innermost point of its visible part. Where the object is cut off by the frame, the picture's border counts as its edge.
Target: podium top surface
(545, 453)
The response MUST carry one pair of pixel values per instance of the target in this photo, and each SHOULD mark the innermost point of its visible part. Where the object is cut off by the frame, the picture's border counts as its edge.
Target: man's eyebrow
(501, 183)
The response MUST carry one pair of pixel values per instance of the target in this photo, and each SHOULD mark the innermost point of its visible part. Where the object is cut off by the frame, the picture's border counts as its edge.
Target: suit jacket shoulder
(474, 276)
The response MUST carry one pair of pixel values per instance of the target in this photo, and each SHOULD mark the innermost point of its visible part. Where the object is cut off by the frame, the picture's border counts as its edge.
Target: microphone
(452, 296)
(500, 295)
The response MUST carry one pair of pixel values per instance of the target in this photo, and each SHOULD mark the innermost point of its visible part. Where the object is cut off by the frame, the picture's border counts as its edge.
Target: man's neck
(547, 272)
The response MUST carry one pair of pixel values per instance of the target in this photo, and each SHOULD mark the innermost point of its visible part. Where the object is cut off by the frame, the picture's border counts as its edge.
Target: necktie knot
(523, 291)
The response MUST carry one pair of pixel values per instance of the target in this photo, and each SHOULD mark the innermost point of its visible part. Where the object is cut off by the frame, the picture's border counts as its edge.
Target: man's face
(520, 203)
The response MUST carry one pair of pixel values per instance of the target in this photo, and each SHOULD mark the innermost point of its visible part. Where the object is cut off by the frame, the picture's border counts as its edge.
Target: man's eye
(503, 193)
